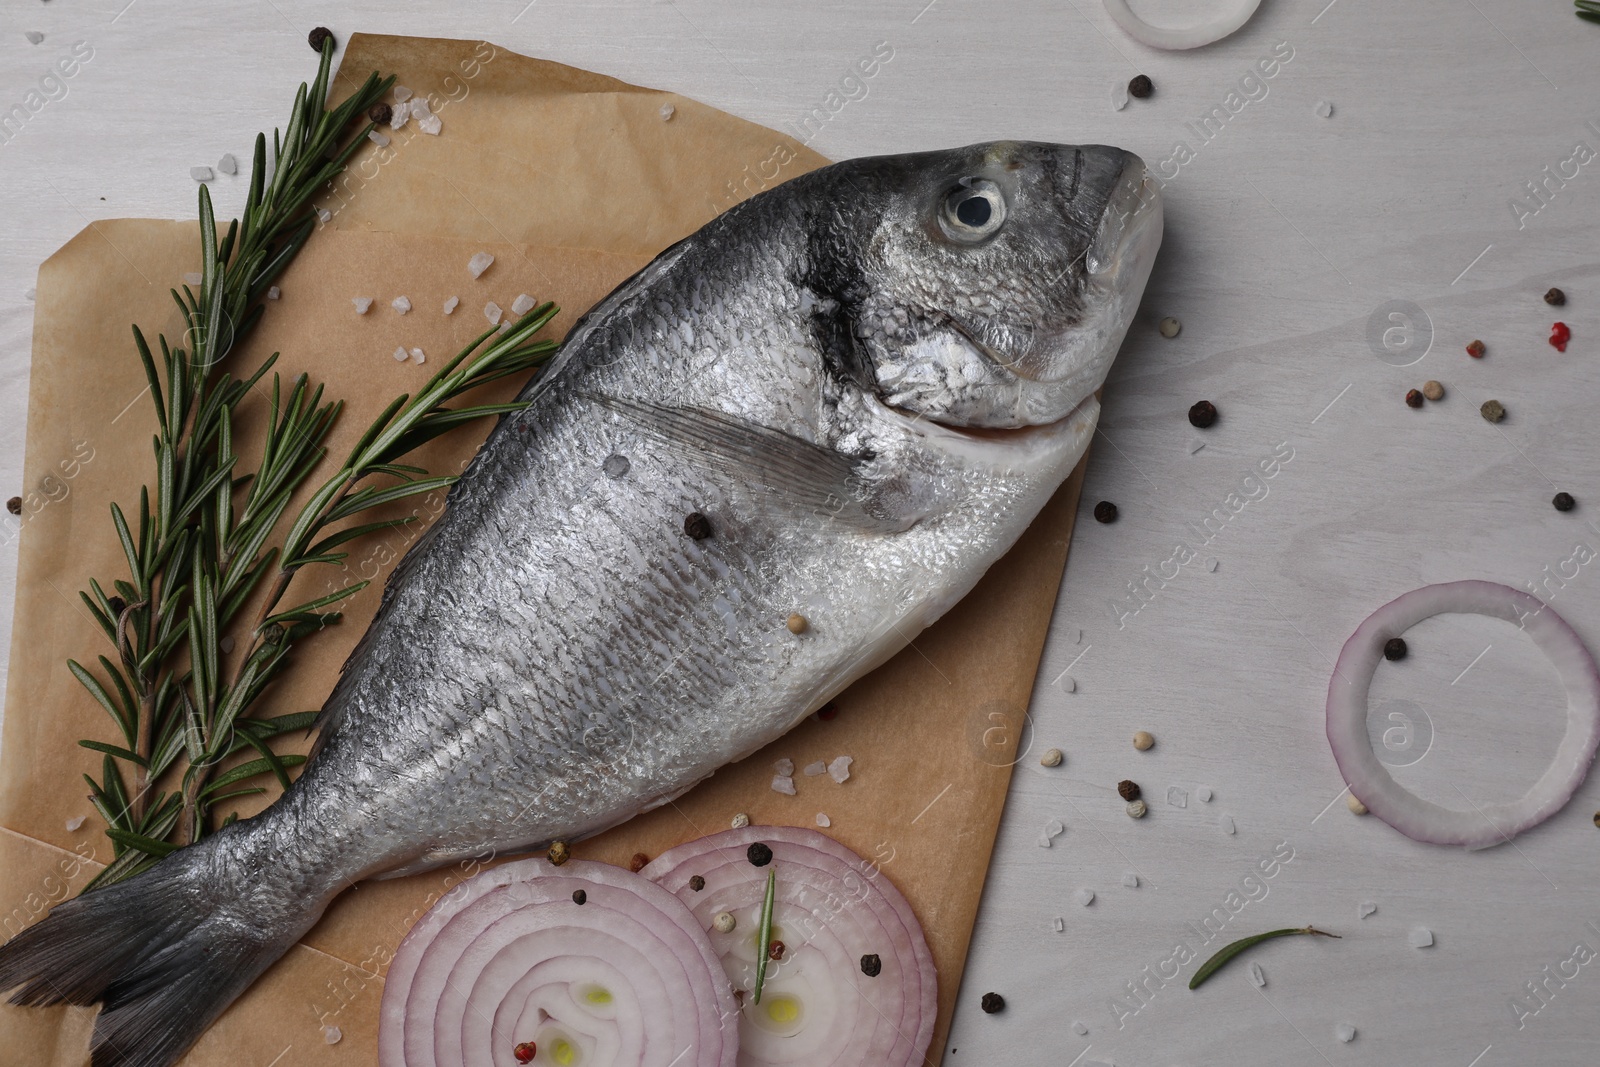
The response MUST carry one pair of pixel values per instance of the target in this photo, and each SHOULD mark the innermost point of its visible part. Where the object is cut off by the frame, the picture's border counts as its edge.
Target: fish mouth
(911, 420)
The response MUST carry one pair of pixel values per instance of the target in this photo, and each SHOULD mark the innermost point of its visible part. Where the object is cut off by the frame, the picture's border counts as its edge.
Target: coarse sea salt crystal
(31, 294)
(400, 354)
(1324, 109)
(1345, 1032)
(430, 125)
(201, 174)
(399, 115)
(1226, 824)
(1052, 830)
(1080, 1028)
(814, 769)
(1067, 683)
(1195, 445)
(1420, 937)
(823, 821)
(667, 111)
(1258, 977)
(1119, 96)
(1130, 880)
(273, 292)
(785, 766)
(194, 277)
(839, 769)
(417, 354)
(491, 311)
(522, 304)
(33, 36)
(1060, 924)
(228, 164)
(1203, 794)
(363, 304)
(782, 783)
(377, 138)
(450, 305)
(1211, 564)
(401, 93)
(1177, 797)
(401, 304)
(1084, 897)
(332, 1034)
(479, 263)
(1365, 908)
(74, 822)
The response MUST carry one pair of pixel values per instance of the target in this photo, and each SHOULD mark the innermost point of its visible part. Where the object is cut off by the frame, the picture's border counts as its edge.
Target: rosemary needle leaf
(764, 938)
(1228, 952)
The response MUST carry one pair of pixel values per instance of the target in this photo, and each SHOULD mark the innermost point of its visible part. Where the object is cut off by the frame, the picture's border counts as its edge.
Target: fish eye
(972, 211)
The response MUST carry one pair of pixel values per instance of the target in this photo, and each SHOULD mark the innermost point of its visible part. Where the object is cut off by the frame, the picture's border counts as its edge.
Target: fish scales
(868, 380)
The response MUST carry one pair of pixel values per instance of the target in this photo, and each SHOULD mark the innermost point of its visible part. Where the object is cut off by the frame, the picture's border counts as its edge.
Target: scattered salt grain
(1060, 924)
(201, 174)
(782, 783)
(1080, 1029)
(1203, 794)
(228, 164)
(1177, 797)
(378, 139)
(399, 115)
(74, 822)
(402, 94)
(1084, 897)
(33, 36)
(1325, 109)
(30, 295)
(450, 305)
(823, 821)
(401, 304)
(839, 769)
(1077, 636)
(325, 215)
(1211, 564)
(667, 111)
(273, 292)
(785, 766)
(363, 304)
(1119, 95)
(740, 821)
(400, 355)
(1258, 977)
(1195, 445)
(193, 277)
(1345, 1032)
(417, 354)
(1052, 830)
(1365, 908)
(522, 304)
(504, 326)
(1130, 880)
(1420, 937)
(479, 263)
(814, 769)
(1226, 824)
(332, 1034)
(491, 311)
(427, 121)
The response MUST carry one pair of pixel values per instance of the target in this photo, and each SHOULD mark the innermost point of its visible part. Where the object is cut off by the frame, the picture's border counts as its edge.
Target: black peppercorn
(1414, 398)
(993, 1002)
(871, 965)
(117, 606)
(1564, 502)
(638, 862)
(697, 526)
(1140, 86)
(1105, 511)
(318, 37)
(579, 896)
(380, 113)
(1203, 414)
(14, 505)
(775, 950)
(697, 883)
(758, 854)
(1556, 297)
(1394, 648)
(1127, 790)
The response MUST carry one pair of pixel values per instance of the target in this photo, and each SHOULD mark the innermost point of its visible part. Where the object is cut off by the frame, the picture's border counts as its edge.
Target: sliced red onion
(818, 1006)
(626, 978)
(1487, 824)
(1234, 14)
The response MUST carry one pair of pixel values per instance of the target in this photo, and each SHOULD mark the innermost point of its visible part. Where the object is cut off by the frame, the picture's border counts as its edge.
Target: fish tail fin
(164, 953)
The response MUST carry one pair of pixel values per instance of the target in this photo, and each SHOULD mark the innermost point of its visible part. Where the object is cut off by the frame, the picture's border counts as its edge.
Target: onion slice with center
(819, 1006)
(508, 956)
(1235, 14)
(1487, 824)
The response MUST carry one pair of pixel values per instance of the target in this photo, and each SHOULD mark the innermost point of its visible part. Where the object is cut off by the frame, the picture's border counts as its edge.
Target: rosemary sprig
(1229, 951)
(201, 545)
(764, 935)
(1588, 10)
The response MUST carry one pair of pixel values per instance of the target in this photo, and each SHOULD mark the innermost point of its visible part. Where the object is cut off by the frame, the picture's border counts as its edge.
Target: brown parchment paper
(933, 733)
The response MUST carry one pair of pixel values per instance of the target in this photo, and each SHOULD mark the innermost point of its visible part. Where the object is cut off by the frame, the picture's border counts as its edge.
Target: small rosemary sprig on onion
(201, 548)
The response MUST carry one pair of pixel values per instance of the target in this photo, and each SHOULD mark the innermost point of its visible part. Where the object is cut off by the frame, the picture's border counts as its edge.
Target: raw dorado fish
(842, 399)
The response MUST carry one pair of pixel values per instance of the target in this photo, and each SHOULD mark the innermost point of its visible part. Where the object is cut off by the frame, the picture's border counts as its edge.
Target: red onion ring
(626, 978)
(832, 908)
(1174, 38)
(1423, 820)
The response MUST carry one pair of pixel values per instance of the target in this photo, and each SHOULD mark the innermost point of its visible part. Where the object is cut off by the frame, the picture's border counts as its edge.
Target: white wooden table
(1287, 232)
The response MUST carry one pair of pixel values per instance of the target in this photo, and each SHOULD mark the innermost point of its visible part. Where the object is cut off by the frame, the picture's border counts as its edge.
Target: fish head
(996, 282)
